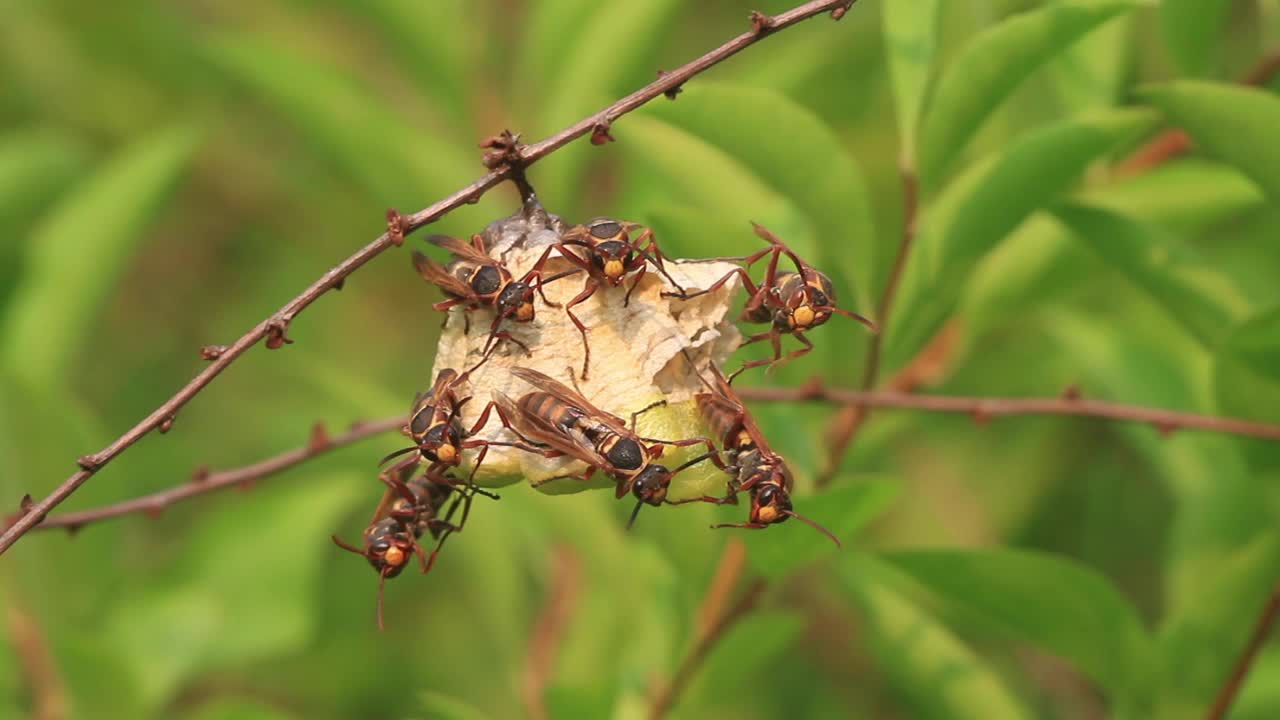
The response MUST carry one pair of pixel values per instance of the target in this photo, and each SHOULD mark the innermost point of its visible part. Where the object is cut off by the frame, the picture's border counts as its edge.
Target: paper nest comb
(636, 356)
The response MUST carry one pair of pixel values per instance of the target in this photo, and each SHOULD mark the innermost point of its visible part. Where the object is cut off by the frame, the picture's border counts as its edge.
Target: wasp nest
(640, 354)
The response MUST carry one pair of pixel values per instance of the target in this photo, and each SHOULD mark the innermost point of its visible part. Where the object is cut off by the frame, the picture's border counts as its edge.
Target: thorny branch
(549, 628)
(1261, 631)
(202, 481)
(274, 328)
(984, 409)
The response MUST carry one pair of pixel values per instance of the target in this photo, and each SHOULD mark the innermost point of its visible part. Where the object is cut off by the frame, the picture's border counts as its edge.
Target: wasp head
(440, 444)
(770, 504)
(515, 302)
(650, 486)
(387, 547)
(808, 303)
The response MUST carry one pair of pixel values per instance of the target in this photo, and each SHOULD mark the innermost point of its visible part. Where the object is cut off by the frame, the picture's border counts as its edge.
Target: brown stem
(1173, 142)
(204, 482)
(1261, 631)
(983, 409)
(846, 424)
(48, 692)
(549, 628)
(273, 328)
(716, 622)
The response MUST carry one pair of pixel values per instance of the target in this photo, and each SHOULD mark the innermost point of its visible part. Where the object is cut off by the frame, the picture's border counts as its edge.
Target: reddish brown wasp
(753, 467)
(409, 508)
(435, 425)
(565, 422)
(792, 302)
(609, 256)
(476, 280)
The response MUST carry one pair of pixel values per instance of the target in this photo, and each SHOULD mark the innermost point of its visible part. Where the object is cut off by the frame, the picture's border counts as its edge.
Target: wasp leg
(587, 291)
(775, 339)
(584, 477)
(656, 257)
(808, 347)
(626, 299)
(747, 526)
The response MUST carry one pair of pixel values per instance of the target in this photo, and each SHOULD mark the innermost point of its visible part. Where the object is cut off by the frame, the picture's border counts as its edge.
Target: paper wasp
(435, 426)
(609, 256)
(566, 423)
(792, 302)
(410, 508)
(753, 467)
(476, 280)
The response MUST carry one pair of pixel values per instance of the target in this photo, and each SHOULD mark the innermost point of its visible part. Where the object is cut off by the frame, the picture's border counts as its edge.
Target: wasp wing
(564, 393)
(462, 249)
(540, 430)
(435, 273)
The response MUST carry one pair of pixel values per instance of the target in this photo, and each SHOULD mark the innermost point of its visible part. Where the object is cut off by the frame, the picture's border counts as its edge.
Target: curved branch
(273, 328)
(983, 409)
(203, 481)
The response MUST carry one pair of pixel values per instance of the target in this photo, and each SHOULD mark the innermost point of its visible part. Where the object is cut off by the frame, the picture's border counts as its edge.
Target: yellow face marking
(613, 269)
(525, 312)
(768, 514)
(394, 556)
(447, 453)
(802, 317)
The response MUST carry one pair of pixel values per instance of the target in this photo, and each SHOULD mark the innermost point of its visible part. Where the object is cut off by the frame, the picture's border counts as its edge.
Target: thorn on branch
(339, 284)
(166, 424)
(90, 463)
(839, 12)
(1071, 393)
(246, 485)
(319, 439)
(1165, 427)
(672, 92)
(153, 510)
(200, 474)
(276, 337)
(212, 352)
(981, 416)
(761, 24)
(395, 230)
(600, 134)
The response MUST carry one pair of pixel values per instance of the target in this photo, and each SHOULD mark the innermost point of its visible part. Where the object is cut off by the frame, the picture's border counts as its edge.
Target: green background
(171, 173)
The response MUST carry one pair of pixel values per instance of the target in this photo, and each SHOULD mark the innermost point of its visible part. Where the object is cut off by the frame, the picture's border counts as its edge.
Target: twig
(1173, 142)
(48, 693)
(714, 623)
(1261, 631)
(983, 409)
(548, 629)
(846, 425)
(274, 328)
(203, 481)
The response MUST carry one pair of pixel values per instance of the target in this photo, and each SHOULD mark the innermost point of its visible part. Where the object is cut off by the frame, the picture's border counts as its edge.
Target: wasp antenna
(397, 454)
(814, 525)
(694, 461)
(865, 321)
(345, 546)
(382, 583)
(694, 366)
(634, 513)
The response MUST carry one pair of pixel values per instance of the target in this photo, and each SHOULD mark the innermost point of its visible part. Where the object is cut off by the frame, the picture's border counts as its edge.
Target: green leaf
(34, 165)
(444, 707)
(706, 177)
(1256, 344)
(910, 37)
(79, 250)
(588, 74)
(1202, 637)
(1052, 602)
(1233, 123)
(985, 204)
(248, 590)
(992, 65)
(1092, 72)
(933, 673)
(1201, 299)
(1184, 196)
(398, 164)
(838, 207)
(1193, 32)
(235, 709)
(844, 510)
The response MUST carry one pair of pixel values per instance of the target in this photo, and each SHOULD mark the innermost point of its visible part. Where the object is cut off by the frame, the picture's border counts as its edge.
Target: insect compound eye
(613, 249)
(625, 455)
(604, 229)
(819, 298)
(651, 486)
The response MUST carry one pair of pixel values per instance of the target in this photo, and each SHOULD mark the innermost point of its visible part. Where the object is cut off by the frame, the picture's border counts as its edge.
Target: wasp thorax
(624, 453)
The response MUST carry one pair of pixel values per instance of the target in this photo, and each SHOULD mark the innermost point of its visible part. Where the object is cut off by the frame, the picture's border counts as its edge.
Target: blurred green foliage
(170, 173)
